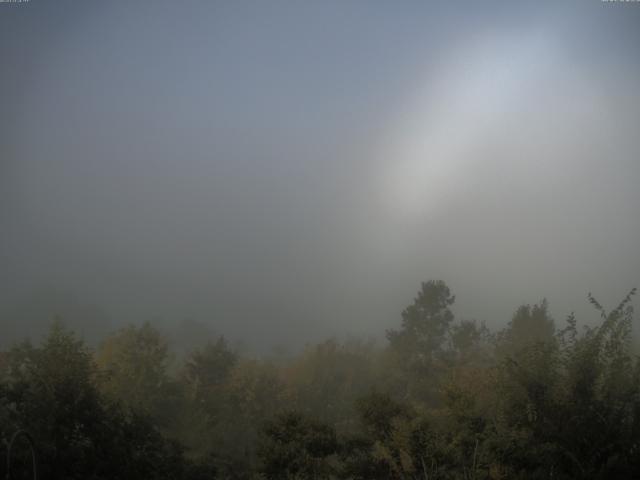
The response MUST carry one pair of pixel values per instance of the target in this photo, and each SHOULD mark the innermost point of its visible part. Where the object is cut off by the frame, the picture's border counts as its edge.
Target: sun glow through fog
(433, 152)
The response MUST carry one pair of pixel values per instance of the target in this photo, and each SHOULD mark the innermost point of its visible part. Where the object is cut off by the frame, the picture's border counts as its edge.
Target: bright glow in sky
(285, 171)
(433, 150)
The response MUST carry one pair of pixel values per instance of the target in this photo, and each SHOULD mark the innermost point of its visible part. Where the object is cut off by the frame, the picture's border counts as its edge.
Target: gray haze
(287, 171)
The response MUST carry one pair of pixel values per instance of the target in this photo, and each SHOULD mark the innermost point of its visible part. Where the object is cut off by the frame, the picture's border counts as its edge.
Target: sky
(283, 172)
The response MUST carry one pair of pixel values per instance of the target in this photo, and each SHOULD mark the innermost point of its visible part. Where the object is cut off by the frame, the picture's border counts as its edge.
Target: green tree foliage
(425, 326)
(206, 373)
(326, 380)
(207, 426)
(444, 399)
(133, 366)
(50, 391)
(297, 447)
(572, 411)
(396, 442)
(530, 325)
(418, 347)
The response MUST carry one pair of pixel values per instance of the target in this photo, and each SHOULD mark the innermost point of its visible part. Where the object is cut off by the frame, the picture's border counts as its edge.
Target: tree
(206, 372)
(50, 391)
(418, 346)
(133, 371)
(326, 379)
(425, 324)
(396, 442)
(297, 447)
(572, 409)
(203, 417)
(528, 326)
(252, 394)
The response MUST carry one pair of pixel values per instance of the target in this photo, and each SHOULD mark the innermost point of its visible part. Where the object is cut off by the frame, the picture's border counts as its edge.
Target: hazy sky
(286, 171)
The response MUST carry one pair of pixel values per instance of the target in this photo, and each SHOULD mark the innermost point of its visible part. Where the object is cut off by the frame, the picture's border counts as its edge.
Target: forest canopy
(442, 398)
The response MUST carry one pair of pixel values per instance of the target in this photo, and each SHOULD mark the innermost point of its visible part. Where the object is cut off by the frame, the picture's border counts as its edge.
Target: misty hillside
(215, 217)
(442, 398)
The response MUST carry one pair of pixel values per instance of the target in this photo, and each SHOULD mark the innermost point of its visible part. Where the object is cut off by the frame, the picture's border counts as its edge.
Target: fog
(283, 172)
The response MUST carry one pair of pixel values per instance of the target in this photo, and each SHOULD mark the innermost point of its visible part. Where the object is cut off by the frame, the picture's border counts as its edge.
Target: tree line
(441, 399)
